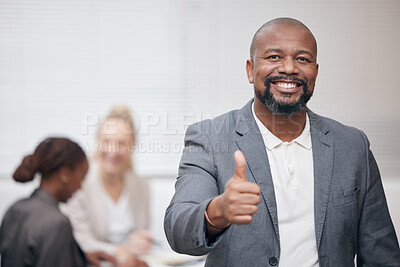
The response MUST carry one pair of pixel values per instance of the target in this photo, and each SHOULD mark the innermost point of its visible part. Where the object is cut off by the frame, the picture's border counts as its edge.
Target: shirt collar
(271, 141)
(304, 139)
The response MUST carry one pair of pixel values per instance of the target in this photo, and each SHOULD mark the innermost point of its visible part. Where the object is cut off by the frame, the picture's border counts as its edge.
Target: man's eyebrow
(305, 52)
(280, 50)
(273, 50)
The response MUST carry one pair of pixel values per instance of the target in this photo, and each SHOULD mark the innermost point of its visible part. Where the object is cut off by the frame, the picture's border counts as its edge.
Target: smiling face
(283, 68)
(116, 141)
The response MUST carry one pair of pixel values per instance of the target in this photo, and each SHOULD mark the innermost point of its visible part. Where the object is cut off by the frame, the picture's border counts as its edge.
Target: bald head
(278, 21)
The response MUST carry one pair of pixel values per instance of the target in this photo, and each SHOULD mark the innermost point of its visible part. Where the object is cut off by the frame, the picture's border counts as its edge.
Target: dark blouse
(35, 233)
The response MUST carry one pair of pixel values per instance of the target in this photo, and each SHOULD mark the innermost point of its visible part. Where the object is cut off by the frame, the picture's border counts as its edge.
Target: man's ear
(249, 70)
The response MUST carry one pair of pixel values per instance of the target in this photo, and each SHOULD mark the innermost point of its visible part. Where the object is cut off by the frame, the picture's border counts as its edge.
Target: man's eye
(273, 57)
(303, 59)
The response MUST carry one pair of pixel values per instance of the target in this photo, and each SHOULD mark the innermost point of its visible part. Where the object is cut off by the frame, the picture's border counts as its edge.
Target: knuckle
(231, 199)
(249, 219)
(235, 186)
(255, 209)
(258, 189)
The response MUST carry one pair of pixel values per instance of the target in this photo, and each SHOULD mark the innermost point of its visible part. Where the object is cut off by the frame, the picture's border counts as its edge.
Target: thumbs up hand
(238, 203)
(240, 171)
(241, 197)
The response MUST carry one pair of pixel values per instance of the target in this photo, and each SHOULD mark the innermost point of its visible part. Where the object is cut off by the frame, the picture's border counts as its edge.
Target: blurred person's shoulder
(38, 215)
(137, 180)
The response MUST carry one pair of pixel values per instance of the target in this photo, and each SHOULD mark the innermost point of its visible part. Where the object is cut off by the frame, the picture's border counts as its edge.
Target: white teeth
(286, 85)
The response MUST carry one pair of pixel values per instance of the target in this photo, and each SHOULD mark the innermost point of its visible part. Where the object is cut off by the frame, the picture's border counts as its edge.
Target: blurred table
(159, 257)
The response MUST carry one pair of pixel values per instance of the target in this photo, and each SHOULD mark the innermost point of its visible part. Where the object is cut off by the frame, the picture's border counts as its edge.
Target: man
(301, 189)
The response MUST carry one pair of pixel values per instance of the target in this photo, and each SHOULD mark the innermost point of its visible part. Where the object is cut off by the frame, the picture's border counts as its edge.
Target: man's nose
(288, 66)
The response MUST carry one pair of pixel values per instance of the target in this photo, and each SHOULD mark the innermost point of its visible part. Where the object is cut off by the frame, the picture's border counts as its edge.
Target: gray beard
(281, 108)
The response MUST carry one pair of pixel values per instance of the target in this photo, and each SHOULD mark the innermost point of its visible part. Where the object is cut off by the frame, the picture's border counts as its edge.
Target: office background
(64, 63)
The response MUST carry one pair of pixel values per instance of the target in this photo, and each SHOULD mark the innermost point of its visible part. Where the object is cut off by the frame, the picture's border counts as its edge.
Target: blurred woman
(34, 232)
(111, 211)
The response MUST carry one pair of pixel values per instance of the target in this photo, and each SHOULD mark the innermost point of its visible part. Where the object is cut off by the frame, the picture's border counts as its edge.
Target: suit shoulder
(342, 131)
(221, 124)
(336, 125)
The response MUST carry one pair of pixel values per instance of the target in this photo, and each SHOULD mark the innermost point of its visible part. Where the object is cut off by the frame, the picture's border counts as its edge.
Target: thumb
(240, 161)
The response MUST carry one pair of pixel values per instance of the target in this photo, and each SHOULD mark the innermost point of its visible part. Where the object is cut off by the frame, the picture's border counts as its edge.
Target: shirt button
(273, 261)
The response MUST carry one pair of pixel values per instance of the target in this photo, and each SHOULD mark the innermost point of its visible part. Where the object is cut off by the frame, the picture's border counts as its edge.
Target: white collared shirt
(292, 171)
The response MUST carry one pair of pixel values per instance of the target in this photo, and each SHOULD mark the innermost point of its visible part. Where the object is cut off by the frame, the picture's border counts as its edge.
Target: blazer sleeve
(79, 214)
(196, 186)
(377, 241)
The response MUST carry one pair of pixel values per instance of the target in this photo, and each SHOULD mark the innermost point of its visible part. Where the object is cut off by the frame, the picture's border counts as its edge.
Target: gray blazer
(351, 214)
(35, 233)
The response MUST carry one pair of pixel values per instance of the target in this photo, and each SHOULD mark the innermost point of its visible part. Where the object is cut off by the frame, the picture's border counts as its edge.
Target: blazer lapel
(323, 152)
(250, 142)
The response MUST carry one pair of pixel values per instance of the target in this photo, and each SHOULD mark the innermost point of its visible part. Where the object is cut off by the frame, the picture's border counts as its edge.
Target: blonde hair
(123, 113)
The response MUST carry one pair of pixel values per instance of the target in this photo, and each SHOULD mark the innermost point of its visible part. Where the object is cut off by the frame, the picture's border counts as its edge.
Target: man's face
(283, 68)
